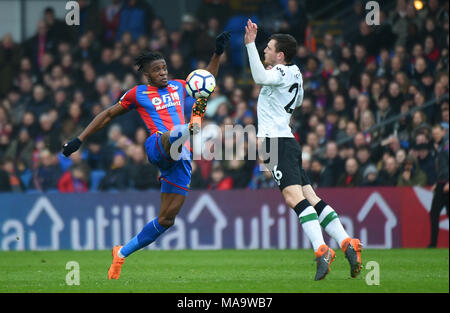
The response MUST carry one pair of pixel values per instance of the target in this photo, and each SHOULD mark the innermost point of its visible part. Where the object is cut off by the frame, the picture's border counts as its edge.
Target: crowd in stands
(54, 83)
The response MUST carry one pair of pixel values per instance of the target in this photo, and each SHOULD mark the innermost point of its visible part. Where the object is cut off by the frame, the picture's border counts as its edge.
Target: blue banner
(235, 219)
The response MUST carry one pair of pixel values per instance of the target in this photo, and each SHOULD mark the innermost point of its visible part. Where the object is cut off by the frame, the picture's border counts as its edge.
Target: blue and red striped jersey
(160, 109)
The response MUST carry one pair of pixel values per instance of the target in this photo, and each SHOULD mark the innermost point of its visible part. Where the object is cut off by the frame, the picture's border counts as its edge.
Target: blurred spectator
(411, 174)
(21, 148)
(219, 181)
(49, 133)
(48, 172)
(296, 19)
(14, 181)
(354, 17)
(107, 64)
(110, 17)
(217, 8)
(332, 49)
(177, 69)
(389, 173)
(197, 180)
(117, 177)
(205, 42)
(133, 17)
(363, 157)
(384, 113)
(85, 50)
(58, 30)
(18, 107)
(425, 158)
(5, 185)
(399, 21)
(385, 37)
(366, 38)
(432, 10)
(39, 44)
(333, 163)
(352, 176)
(262, 178)
(73, 180)
(188, 37)
(370, 176)
(240, 172)
(39, 104)
(143, 175)
(89, 17)
(359, 141)
(358, 64)
(10, 54)
(320, 176)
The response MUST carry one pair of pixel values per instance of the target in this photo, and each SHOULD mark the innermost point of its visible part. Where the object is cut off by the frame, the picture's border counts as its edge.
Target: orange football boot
(198, 111)
(352, 249)
(324, 257)
(116, 266)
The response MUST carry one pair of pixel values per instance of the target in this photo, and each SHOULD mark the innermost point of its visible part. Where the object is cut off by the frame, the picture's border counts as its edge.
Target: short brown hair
(285, 43)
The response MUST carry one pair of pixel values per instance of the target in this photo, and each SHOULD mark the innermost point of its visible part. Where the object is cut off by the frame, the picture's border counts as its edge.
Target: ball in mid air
(200, 84)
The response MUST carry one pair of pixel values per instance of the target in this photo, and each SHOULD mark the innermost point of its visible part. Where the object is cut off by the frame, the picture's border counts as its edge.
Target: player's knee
(166, 221)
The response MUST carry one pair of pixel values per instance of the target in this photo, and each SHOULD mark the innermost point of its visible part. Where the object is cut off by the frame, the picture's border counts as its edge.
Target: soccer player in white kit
(281, 93)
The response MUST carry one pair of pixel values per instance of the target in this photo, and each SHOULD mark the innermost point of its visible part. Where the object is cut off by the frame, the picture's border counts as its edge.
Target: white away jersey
(281, 93)
(276, 102)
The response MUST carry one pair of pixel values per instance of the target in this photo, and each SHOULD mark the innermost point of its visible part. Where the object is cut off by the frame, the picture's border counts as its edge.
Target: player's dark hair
(285, 43)
(147, 58)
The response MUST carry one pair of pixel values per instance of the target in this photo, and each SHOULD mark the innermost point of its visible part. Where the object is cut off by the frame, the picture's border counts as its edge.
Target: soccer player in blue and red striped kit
(160, 104)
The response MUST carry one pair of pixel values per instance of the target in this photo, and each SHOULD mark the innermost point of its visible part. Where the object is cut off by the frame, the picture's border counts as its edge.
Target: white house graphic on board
(205, 201)
(376, 199)
(41, 206)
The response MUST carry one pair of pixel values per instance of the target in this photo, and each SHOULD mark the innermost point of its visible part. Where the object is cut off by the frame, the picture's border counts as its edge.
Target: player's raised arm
(221, 43)
(100, 121)
(260, 75)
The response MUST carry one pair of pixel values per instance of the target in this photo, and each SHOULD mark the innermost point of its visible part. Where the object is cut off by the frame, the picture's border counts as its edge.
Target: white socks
(329, 220)
(310, 224)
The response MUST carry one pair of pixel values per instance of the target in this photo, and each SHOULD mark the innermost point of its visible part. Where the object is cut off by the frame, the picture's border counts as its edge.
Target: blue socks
(179, 131)
(148, 234)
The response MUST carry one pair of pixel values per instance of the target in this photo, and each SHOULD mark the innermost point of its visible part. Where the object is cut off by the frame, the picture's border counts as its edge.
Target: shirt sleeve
(300, 97)
(260, 75)
(128, 100)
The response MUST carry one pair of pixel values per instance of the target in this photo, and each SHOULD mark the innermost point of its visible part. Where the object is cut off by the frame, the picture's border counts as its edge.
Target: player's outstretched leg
(310, 225)
(329, 220)
(198, 111)
(148, 234)
(171, 204)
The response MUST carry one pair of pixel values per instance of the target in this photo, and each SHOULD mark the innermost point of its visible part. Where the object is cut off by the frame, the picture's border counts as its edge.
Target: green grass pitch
(223, 271)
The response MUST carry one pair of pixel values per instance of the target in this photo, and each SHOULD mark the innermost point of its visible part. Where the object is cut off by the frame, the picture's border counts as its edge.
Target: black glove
(71, 146)
(222, 42)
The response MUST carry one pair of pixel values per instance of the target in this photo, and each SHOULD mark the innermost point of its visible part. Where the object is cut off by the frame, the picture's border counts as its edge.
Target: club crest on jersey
(156, 101)
(174, 87)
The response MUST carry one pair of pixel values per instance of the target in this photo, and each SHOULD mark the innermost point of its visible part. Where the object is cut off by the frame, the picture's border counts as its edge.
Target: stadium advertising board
(241, 219)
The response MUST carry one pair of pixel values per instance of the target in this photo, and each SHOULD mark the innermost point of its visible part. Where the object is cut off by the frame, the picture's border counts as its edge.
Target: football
(200, 84)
